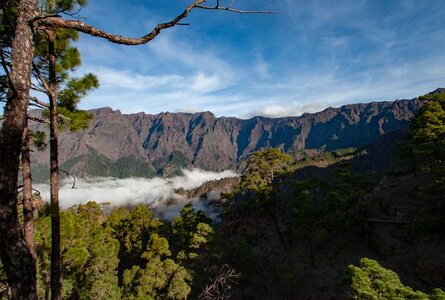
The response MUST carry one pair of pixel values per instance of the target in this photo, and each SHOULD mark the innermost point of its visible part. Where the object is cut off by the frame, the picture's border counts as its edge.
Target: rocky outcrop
(115, 144)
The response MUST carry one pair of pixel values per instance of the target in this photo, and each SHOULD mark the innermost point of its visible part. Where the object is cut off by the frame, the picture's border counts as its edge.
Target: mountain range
(123, 145)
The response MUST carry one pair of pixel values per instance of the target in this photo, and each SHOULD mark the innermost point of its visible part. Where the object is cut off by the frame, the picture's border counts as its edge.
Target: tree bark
(28, 206)
(56, 269)
(15, 255)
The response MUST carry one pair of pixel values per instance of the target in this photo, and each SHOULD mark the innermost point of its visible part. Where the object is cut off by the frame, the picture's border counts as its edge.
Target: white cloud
(154, 192)
(171, 48)
(277, 110)
(203, 83)
(113, 78)
(262, 67)
(332, 57)
(274, 111)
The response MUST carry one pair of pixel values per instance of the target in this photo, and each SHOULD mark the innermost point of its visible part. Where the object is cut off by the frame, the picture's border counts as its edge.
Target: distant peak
(437, 91)
(207, 113)
(105, 111)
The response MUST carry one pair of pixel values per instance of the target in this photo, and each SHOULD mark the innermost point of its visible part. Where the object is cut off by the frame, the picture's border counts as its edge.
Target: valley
(293, 223)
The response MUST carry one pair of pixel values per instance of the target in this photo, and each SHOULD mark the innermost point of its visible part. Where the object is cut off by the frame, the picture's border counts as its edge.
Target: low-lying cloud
(155, 192)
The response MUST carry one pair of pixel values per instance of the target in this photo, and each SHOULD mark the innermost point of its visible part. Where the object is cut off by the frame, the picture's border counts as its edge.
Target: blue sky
(311, 55)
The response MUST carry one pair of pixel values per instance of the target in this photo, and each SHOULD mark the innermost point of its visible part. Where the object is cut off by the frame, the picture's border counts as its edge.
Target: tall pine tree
(15, 255)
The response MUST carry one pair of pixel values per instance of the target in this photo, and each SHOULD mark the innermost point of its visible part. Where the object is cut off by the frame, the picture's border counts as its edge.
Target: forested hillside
(317, 227)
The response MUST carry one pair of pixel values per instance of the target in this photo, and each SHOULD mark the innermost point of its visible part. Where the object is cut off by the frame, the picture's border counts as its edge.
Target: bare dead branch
(69, 174)
(37, 191)
(238, 11)
(39, 102)
(50, 22)
(34, 87)
(41, 79)
(57, 21)
(219, 288)
(36, 105)
(37, 120)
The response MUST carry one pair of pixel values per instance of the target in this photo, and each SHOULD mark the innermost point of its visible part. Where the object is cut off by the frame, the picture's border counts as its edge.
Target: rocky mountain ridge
(122, 145)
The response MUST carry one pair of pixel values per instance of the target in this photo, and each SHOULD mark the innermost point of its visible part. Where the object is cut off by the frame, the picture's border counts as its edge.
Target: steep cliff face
(123, 145)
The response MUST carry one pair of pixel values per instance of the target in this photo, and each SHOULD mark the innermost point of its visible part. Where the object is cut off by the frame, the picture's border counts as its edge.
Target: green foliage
(75, 119)
(125, 255)
(429, 123)
(371, 281)
(241, 255)
(69, 5)
(3, 281)
(89, 253)
(189, 231)
(427, 136)
(8, 16)
(262, 168)
(429, 218)
(75, 89)
(133, 228)
(307, 204)
(70, 90)
(98, 165)
(426, 152)
(38, 139)
(158, 255)
(161, 278)
(344, 205)
(172, 165)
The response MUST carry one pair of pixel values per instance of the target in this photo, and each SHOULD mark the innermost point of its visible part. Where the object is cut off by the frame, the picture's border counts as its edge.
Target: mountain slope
(165, 142)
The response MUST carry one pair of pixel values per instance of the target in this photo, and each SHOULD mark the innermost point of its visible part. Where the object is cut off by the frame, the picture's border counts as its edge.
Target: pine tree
(89, 251)
(262, 168)
(31, 21)
(427, 147)
(371, 281)
(427, 136)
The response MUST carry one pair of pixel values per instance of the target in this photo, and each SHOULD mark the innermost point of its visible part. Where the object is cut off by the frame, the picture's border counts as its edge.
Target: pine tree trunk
(311, 251)
(15, 255)
(56, 271)
(28, 207)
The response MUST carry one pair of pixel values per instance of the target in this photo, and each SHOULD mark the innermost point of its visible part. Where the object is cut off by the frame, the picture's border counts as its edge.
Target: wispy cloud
(312, 55)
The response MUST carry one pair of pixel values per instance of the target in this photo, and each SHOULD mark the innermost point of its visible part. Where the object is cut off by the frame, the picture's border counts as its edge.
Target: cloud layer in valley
(154, 192)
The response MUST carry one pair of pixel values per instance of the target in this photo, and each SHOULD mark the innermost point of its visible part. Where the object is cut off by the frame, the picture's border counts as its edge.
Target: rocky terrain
(123, 145)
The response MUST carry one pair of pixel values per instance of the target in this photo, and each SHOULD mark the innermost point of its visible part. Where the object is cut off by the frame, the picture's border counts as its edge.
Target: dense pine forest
(307, 226)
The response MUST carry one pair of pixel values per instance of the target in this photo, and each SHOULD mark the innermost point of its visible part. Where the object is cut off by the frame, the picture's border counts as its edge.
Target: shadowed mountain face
(122, 145)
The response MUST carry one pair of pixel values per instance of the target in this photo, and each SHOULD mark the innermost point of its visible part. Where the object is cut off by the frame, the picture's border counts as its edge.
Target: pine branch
(41, 79)
(39, 102)
(35, 87)
(239, 11)
(37, 120)
(42, 104)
